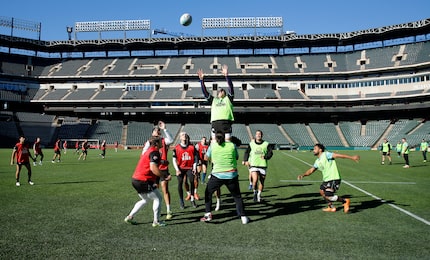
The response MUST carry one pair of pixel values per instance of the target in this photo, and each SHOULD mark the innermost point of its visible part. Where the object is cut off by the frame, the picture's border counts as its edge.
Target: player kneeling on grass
(331, 178)
(143, 181)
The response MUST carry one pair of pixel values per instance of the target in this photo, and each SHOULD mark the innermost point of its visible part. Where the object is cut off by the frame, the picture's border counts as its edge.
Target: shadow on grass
(369, 205)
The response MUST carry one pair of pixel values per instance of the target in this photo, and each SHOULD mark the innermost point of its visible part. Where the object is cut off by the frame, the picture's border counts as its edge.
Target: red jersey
(57, 146)
(22, 153)
(202, 149)
(65, 145)
(143, 171)
(77, 145)
(37, 149)
(84, 146)
(103, 146)
(163, 153)
(185, 156)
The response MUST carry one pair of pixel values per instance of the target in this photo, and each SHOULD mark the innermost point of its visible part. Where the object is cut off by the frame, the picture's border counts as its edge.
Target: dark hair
(236, 141)
(322, 147)
(219, 137)
(154, 140)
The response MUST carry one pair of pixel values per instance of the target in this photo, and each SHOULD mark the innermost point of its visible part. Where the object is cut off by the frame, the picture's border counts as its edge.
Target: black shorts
(386, 153)
(223, 126)
(165, 173)
(333, 185)
(204, 162)
(142, 186)
(57, 151)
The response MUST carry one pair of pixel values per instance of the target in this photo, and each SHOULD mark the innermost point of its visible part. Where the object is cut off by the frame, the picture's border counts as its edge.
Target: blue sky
(303, 17)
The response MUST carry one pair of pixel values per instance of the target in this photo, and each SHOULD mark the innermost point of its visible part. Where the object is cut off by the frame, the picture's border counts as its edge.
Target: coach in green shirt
(424, 146)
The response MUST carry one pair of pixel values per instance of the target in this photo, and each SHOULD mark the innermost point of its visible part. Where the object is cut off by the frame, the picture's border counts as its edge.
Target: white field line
(371, 195)
(362, 182)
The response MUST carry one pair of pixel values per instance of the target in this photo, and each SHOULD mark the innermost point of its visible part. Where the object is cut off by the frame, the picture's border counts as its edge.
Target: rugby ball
(186, 19)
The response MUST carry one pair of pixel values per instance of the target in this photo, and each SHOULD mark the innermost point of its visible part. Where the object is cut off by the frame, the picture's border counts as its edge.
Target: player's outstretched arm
(307, 173)
(202, 83)
(355, 158)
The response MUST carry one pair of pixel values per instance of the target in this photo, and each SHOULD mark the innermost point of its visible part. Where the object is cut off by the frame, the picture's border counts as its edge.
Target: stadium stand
(195, 93)
(110, 131)
(169, 93)
(233, 66)
(73, 128)
(326, 134)
(120, 66)
(96, 67)
(285, 64)
(207, 64)
(240, 131)
(138, 133)
(176, 65)
(81, 94)
(287, 93)
(37, 125)
(138, 94)
(197, 131)
(271, 133)
(55, 94)
(261, 93)
(108, 93)
(299, 134)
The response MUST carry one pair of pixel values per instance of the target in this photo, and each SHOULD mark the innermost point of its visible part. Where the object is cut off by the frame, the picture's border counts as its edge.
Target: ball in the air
(186, 19)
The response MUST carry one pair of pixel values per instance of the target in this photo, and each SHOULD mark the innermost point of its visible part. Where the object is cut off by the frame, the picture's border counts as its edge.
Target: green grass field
(76, 210)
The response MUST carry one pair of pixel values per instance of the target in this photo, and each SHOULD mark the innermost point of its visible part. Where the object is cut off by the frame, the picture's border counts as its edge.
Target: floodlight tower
(69, 30)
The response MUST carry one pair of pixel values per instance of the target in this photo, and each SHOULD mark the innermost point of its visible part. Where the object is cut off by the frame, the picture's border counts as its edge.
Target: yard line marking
(371, 195)
(363, 182)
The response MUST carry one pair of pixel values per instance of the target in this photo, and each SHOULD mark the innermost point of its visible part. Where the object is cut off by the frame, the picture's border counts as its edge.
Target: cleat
(255, 197)
(129, 220)
(169, 215)
(159, 224)
(53, 161)
(346, 205)
(250, 187)
(188, 197)
(245, 220)
(193, 203)
(30, 182)
(406, 166)
(206, 218)
(196, 196)
(181, 204)
(258, 198)
(329, 209)
(382, 163)
(34, 164)
(17, 184)
(40, 163)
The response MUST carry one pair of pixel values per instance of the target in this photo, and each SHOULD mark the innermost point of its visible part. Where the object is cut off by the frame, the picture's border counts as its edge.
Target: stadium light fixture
(242, 22)
(69, 30)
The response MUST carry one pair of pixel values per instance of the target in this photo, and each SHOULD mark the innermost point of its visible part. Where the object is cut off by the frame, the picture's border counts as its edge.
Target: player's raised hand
(200, 74)
(161, 125)
(224, 70)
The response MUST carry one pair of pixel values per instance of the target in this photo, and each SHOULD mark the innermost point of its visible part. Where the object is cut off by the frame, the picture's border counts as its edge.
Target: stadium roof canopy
(293, 40)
